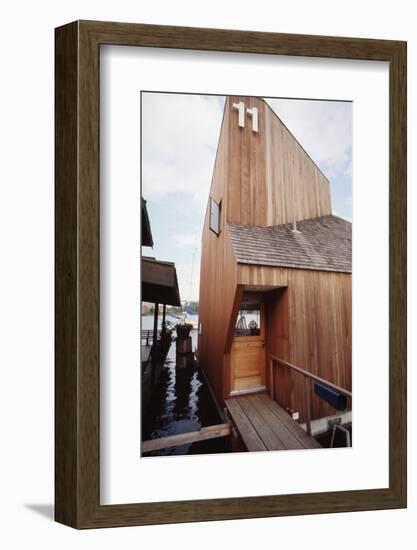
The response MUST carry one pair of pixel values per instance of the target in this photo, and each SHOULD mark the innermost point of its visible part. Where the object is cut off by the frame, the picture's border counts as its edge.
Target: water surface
(179, 401)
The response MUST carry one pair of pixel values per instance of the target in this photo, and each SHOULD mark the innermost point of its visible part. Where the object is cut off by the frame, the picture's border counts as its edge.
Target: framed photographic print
(230, 274)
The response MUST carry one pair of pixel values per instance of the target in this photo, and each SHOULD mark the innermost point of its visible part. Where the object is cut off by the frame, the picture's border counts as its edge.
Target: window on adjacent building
(215, 216)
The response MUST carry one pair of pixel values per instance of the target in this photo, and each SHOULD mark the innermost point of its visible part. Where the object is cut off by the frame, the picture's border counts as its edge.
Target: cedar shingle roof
(323, 244)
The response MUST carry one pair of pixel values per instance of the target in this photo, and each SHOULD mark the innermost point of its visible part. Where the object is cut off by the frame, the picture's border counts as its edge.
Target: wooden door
(248, 348)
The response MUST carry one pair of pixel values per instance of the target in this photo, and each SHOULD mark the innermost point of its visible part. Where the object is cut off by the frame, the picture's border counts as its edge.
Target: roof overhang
(159, 282)
(262, 288)
(319, 244)
(147, 239)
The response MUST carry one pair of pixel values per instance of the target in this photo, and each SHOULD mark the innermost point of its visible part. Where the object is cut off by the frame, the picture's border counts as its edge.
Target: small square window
(215, 216)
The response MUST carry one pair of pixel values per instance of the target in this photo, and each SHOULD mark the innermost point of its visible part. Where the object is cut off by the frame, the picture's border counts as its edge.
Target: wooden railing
(147, 336)
(308, 377)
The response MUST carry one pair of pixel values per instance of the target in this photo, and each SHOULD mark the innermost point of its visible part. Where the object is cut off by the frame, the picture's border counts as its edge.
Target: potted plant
(183, 330)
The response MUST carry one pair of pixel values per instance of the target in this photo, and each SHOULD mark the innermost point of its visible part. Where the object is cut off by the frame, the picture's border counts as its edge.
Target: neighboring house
(275, 265)
(159, 279)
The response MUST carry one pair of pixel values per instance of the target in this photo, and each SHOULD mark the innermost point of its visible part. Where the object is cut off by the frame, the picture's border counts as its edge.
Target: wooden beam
(308, 395)
(233, 318)
(271, 380)
(155, 324)
(208, 432)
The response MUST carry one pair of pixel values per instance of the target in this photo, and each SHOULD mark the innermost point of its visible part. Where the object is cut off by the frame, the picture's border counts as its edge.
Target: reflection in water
(180, 402)
(339, 439)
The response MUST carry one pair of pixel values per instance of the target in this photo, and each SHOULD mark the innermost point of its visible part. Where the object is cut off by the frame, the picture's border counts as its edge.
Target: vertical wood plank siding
(271, 179)
(309, 324)
(218, 275)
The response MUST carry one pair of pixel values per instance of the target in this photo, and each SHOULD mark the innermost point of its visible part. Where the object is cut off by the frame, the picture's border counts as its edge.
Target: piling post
(308, 392)
(164, 311)
(155, 324)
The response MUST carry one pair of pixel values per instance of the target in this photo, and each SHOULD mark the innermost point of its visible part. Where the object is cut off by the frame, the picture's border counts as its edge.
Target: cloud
(180, 133)
(324, 129)
(186, 240)
(179, 136)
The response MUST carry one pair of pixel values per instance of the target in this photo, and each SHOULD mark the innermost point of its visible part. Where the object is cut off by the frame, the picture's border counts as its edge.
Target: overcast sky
(179, 141)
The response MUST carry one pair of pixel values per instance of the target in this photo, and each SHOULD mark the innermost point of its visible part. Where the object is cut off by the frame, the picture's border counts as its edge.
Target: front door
(248, 347)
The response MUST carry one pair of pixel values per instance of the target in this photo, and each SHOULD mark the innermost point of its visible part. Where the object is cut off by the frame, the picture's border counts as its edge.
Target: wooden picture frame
(77, 374)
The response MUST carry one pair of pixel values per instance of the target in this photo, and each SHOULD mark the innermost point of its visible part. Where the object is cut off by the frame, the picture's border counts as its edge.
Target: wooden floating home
(275, 285)
(159, 284)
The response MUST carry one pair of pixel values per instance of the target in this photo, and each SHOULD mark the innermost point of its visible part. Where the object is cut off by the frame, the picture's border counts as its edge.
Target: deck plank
(265, 426)
(307, 441)
(248, 433)
(280, 428)
(270, 438)
(205, 433)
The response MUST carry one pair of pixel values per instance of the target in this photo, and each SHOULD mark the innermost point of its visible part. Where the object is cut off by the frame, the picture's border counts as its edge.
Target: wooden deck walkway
(265, 426)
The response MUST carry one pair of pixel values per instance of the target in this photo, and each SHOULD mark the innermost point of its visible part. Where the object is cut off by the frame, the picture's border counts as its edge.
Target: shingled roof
(323, 244)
